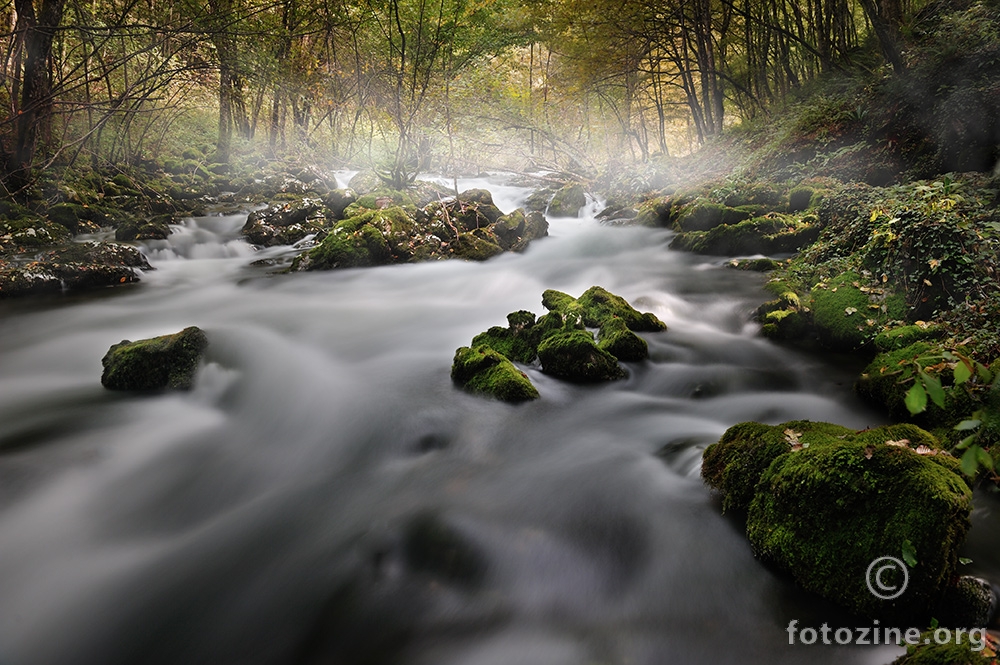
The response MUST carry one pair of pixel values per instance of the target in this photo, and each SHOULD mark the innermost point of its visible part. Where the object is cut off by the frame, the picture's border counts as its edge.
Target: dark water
(325, 495)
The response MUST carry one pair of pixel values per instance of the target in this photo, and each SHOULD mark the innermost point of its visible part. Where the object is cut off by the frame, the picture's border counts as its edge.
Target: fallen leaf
(902, 443)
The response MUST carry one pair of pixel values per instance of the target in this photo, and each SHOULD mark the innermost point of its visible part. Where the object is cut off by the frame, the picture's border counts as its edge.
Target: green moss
(67, 215)
(890, 375)
(785, 324)
(800, 199)
(705, 215)
(615, 338)
(28, 232)
(166, 362)
(518, 342)
(755, 265)
(761, 235)
(655, 212)
(567, 201)
(840, 312)
(574, 356)
(735, 464)
(929, 652)
(903, 336)
(472, 247)
(596, 306)
(483, 371)
(823, 513)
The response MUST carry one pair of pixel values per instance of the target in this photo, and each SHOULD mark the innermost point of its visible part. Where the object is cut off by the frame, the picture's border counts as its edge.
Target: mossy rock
(800, 199)
(655, 212)
(519, 341)
(734, 464)
(166, 362)
(567, 201)
(928, 652)
(364, 182)
(597, 305)
(30, 232)
(338, 200)
(755, 265)
(67, 215)
(774, 234)
(703, 215)
(846, 316)
(483, 371)
(473, 247)
(970, 602)
(573, 355)
(538, 200)
(890, 375)
(157, 228)
(824, 512)
(903, 336)
(785, 324)
(615, 338)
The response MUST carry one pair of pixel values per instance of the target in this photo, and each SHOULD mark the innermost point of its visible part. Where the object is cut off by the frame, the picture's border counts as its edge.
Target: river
(278, 512)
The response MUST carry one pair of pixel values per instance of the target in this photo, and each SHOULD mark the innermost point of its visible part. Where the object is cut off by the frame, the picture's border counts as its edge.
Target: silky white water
(262, 517)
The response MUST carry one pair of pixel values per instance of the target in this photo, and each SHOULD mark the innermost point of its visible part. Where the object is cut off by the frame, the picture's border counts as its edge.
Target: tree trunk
(886, 17)
(35, 113)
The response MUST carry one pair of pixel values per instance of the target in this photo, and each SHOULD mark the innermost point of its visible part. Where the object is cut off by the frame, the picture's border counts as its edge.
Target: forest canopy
(407, 85)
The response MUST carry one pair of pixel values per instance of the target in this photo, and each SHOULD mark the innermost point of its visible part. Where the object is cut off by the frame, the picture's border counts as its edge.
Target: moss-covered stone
(704, 215)
(772, 234)
(337, 200)
(656, 212)
(973, 650)
(848, 314)
(474, 247)
(903, 336)
(574, 356)
(483, 371)
(156, 228)
(785, 324)
(26, 232)
(615, 338)
(799, 199)
(567, 201)
(519, 341)
(166, 362)
(734, 464)
(969, 602)
(598, 305)
(755, 265)
(824, 512)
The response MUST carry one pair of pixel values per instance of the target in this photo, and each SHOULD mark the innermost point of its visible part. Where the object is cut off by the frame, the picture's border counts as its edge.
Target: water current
(326, 495)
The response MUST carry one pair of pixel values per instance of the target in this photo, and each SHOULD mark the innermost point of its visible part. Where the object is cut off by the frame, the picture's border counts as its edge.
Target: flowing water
(325, 495)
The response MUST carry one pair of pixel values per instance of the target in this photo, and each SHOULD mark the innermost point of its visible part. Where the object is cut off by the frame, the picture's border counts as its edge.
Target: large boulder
(824, 502)
(165, 362)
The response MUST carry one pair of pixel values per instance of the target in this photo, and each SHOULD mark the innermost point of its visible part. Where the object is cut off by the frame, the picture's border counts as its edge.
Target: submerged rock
(165, 362)
(825, 501)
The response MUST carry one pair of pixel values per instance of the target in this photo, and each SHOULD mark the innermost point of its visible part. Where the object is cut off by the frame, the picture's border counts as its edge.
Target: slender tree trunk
(34, 119)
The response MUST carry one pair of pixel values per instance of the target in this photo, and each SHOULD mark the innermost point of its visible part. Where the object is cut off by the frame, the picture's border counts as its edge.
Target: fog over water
(279, 512)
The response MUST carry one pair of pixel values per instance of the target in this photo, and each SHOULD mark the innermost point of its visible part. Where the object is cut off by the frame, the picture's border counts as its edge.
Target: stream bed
(326, 495)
